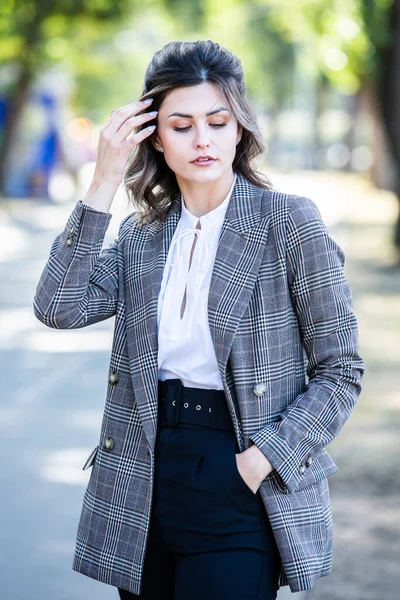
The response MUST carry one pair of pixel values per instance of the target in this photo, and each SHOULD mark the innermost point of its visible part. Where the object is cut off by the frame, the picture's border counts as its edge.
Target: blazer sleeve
(323, 304)
(79, 283)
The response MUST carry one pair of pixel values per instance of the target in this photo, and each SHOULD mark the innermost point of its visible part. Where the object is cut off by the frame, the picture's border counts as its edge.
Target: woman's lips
(203, 163)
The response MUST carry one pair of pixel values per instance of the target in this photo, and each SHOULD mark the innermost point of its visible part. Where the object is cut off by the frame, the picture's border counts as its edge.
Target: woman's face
(197, 121)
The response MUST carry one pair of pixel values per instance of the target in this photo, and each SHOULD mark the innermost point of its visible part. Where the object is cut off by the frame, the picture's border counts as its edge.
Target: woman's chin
(201, 176)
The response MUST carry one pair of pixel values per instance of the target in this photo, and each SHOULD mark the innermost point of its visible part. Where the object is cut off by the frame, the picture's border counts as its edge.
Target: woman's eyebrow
(213, 112)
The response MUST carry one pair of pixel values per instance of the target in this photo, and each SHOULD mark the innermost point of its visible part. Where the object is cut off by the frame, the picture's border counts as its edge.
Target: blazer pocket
(91, 458)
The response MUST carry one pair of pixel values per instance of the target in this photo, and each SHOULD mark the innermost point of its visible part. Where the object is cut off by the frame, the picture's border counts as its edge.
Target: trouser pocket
(201, 500)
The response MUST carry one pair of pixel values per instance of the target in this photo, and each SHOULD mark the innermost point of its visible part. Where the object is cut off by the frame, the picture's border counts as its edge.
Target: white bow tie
(201, 240)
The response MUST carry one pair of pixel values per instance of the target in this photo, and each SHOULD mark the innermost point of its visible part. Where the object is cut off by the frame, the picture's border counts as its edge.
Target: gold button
(69, 241)
(71, 231)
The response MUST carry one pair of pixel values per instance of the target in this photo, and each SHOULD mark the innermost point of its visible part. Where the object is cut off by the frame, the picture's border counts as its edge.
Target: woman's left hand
(253, 467)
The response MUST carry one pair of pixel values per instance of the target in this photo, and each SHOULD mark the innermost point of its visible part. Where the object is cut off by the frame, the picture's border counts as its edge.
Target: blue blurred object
(36, 150)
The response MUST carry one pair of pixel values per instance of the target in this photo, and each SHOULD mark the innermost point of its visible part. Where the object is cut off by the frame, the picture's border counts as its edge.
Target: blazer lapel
(237, 262)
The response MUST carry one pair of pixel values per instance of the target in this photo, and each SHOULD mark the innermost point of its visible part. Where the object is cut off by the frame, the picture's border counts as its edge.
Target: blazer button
(108, 444)
(113, 379)
(302, 469)
(69, 241)
(309, 461)
(259, 389)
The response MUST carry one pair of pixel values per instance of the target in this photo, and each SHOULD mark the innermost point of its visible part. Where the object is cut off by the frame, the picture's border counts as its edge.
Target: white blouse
(185, 347)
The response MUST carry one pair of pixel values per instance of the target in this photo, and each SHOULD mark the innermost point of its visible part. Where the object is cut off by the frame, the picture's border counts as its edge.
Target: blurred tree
(190, 14)
(287, 49)
(37, 33)
(354, 45)
(385, 16)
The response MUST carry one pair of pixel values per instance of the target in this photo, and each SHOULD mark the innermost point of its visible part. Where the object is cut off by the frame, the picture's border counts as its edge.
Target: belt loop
(214, 416)
(172, 401)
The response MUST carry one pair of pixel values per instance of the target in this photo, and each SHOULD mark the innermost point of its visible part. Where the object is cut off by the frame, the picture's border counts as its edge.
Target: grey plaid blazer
(285, 336)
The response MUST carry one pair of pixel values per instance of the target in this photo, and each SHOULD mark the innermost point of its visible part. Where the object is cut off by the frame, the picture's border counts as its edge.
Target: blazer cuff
(290, 464)
(81, 239)
(85, 225)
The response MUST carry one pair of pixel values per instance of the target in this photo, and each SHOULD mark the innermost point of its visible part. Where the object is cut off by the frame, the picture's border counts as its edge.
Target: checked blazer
(285, 336)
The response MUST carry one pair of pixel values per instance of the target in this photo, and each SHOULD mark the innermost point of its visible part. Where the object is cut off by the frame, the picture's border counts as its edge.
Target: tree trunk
(383, 170)
(389, 98)
(13, 114)
(352, 108)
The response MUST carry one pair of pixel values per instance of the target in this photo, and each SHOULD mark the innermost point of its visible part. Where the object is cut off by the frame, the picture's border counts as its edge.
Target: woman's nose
(201, 139)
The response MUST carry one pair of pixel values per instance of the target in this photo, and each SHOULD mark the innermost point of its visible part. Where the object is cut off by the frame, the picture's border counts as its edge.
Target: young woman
(210, 476)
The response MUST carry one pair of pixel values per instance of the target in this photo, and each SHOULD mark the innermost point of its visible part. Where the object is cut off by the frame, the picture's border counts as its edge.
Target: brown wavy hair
(149, 182)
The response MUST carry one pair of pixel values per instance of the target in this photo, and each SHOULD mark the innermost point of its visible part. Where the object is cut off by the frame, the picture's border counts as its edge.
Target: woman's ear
(157, 144)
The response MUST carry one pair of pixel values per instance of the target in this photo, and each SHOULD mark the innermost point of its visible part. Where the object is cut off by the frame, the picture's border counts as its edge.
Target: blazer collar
(243, 212)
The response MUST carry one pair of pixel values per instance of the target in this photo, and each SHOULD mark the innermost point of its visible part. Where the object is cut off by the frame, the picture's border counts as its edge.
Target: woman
(210, 477)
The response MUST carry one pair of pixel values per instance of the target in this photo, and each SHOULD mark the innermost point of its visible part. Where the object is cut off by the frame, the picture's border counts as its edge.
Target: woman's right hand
(114, 149)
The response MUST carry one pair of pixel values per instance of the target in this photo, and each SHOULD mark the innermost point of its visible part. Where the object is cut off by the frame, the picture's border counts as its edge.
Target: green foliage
(39, 31)
(191, 15)
(340, 37)
(108, 43)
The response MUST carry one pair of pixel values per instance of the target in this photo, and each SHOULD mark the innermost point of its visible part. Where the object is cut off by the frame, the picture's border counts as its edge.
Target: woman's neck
(201, 198)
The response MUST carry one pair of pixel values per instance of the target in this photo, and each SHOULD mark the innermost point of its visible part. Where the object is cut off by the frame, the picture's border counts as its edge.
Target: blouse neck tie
(203, 249)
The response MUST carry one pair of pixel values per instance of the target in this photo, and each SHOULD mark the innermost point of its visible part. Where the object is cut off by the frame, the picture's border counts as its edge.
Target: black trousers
(209, 537)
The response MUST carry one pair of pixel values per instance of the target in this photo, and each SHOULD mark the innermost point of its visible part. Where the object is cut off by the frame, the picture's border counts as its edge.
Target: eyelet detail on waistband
(173, 402)
(209, 410)
(185, 405)
(198, 407)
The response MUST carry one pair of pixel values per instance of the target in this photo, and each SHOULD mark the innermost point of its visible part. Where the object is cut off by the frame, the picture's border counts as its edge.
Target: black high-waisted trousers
(209, 537)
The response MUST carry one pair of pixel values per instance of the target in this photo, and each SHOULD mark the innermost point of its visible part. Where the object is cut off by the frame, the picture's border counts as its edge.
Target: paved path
(53, 390)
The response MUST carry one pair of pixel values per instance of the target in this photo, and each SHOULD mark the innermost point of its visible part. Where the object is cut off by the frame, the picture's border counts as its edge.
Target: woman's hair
(148, 180)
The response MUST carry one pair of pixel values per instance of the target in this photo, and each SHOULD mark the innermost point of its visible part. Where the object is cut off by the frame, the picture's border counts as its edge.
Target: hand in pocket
(253, 467)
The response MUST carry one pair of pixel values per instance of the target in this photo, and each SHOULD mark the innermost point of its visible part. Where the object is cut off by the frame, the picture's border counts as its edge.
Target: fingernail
(148, 100)
(151, 127)
(153, 113)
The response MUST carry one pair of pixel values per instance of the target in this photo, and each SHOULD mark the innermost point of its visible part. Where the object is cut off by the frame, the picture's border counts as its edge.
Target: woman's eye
(212, 125)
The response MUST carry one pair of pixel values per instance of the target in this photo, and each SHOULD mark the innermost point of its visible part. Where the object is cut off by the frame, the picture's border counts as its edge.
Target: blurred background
(324, 78)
